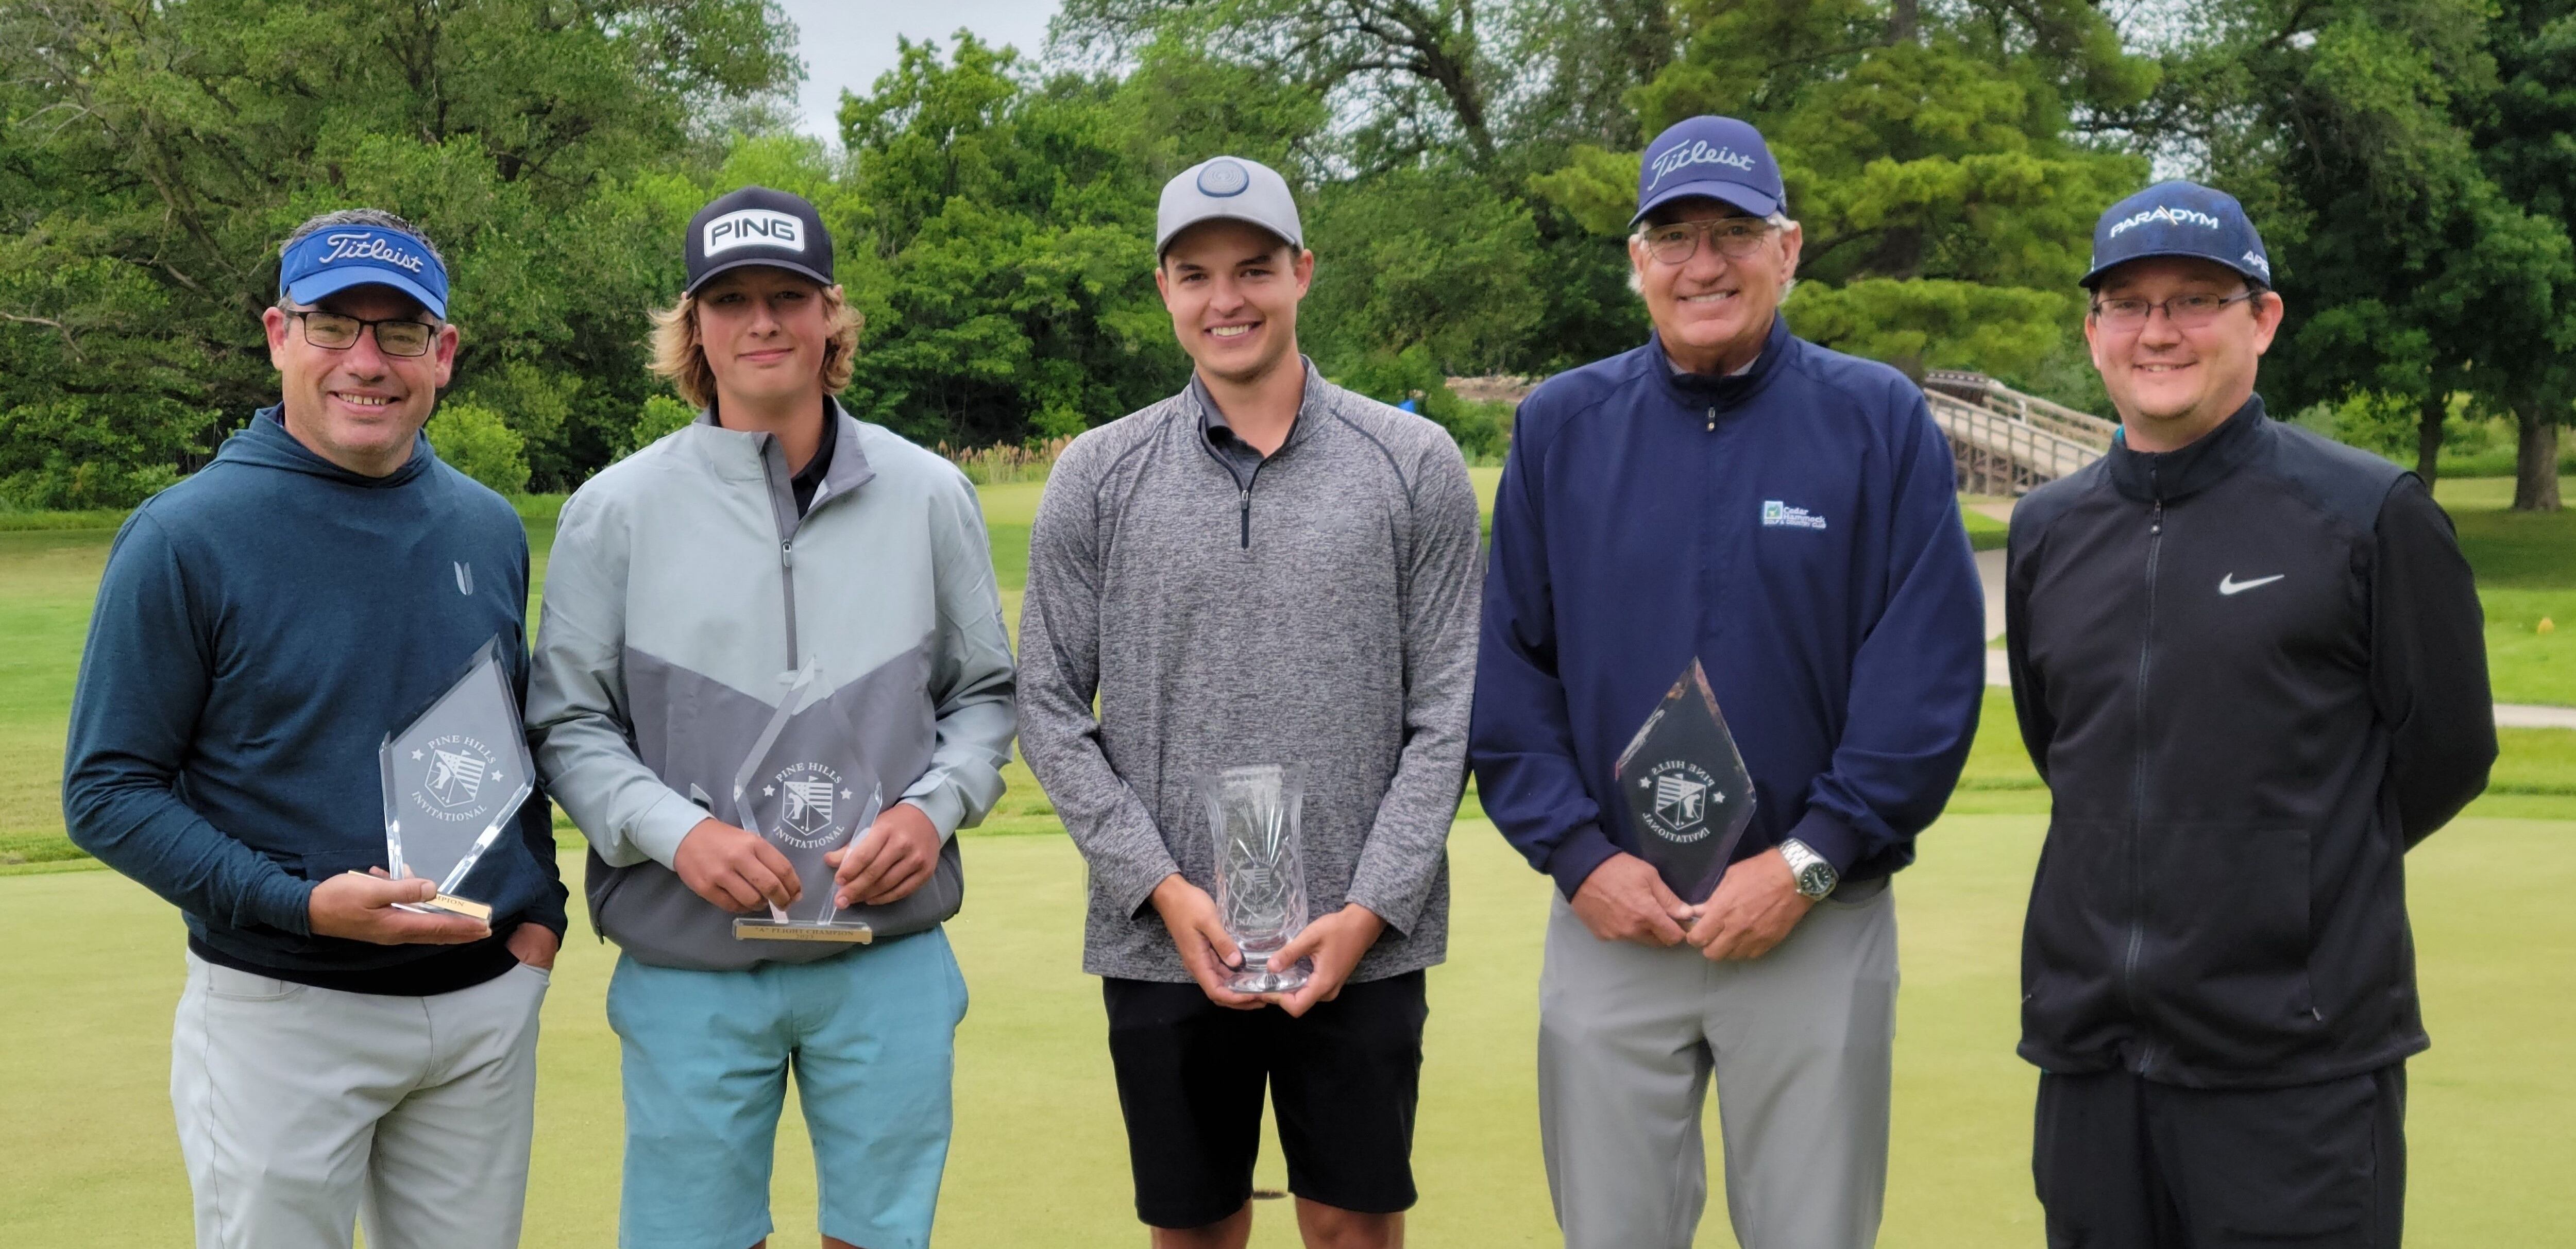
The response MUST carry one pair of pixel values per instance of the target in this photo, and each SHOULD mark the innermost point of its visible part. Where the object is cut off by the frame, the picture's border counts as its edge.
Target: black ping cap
(759, 226)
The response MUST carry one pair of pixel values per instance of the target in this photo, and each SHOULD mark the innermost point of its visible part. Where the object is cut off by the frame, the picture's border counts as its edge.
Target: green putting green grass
(1039, 1155)
(90, 1158)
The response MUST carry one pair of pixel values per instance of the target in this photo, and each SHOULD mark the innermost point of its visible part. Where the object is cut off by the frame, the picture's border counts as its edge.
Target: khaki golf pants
(303, 1110)
(1798, 1041)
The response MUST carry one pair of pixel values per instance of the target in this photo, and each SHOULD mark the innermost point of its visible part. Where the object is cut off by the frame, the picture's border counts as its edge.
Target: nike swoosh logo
(2230, 585)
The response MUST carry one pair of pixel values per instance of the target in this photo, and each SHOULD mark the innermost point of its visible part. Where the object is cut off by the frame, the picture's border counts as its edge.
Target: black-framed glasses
(2186, 312)
(1735, 237)
(395, 336)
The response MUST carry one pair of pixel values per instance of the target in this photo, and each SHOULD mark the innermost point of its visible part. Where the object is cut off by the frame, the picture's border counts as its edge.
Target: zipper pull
(1247, 518)
(1712, 419)
(2156, 523)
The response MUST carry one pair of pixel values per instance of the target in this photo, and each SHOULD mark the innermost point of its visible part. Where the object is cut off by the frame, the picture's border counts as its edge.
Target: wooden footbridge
(2006, 442)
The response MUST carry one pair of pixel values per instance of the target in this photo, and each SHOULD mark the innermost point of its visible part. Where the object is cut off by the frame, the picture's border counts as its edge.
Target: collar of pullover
(2167, 476)
(743, 455)
(1725, 394)
(1310, 409)
(266, 443)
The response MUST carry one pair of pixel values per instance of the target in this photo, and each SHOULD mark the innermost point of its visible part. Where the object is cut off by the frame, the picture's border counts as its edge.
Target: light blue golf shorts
(871, 1037)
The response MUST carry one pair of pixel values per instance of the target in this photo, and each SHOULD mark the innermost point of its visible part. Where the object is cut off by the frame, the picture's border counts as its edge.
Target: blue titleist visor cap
(2179, 219)
(326, 262)
(1716, 158)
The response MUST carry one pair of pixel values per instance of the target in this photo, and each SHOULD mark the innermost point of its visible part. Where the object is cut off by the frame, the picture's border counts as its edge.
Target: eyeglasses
(395, 336)
(1736, 237)
(2185, 312)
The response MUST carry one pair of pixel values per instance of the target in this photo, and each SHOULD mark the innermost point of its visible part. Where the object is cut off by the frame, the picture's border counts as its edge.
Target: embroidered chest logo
(808, 795)
(1779, 515)
(465, 579)
(2229, 586)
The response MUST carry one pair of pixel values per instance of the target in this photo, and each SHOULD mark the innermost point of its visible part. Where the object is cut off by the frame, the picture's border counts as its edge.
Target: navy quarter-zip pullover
(1794, 526)
(260, 627)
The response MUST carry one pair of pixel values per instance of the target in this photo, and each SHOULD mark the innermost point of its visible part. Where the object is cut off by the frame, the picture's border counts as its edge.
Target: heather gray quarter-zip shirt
(1320, 609)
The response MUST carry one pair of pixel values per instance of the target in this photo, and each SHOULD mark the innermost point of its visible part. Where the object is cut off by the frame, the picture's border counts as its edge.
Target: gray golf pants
(302, 1110)
(1799, 1041)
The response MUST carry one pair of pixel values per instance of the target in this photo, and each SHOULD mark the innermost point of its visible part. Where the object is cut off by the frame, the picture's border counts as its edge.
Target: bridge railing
(1997, 453)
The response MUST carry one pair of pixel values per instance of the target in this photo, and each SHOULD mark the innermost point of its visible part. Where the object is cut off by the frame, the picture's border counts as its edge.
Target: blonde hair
(679, 356)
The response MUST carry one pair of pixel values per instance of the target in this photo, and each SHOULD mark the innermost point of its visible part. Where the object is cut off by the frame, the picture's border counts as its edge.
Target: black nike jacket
(2253, 674)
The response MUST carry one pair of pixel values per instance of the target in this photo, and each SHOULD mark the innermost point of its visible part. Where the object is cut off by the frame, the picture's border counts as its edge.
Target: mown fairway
(1039, 1157)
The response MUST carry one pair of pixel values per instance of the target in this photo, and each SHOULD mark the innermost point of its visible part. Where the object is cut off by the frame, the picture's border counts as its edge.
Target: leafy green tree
(475, 441)
(153, 153)
(1933, 161)
(1005, 248)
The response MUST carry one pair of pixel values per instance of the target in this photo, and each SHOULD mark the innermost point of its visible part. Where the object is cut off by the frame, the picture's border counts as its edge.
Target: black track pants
(2125, 1163)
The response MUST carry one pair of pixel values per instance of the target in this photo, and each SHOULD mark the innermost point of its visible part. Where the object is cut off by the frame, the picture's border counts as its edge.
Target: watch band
(1815, 876)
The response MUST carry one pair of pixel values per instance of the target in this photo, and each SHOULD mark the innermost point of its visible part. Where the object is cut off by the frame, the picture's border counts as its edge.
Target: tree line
(1465, 169)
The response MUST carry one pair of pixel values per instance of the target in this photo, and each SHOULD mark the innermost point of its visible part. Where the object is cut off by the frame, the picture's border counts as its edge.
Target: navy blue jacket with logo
(2253, 672)
(260, 627)
(1796, 527)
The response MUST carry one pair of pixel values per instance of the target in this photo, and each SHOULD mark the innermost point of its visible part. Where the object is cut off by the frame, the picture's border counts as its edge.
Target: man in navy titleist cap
(2251, 666)
(261, 626)
(1785, 515)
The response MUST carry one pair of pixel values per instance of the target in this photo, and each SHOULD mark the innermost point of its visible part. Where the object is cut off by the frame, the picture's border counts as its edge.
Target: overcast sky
(847, 43)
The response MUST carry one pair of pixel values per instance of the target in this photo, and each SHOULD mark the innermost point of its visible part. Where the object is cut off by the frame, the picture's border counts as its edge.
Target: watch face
(1816, 881)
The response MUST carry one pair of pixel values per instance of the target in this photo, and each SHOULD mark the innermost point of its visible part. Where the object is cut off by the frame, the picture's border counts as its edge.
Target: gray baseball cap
(1227, 188)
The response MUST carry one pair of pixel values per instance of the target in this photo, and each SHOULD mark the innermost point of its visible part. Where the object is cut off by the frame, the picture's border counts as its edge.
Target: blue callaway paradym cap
(2179, 219)
(1716, 158)
(326, 262)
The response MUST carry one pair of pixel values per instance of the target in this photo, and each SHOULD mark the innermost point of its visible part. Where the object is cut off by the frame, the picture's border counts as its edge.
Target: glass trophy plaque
(454, 780)
(1260, 871)
(1689, 797)
(806, 808)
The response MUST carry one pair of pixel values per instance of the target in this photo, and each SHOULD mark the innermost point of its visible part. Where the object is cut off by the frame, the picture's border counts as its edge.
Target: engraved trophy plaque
(1260, 870)
(454, 779)
(1689, 797)
(806, 808)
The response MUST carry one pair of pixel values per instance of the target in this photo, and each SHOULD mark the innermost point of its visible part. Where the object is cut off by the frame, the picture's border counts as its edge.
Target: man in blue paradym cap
(1784, 515)
(261, 626)
(2251, 666)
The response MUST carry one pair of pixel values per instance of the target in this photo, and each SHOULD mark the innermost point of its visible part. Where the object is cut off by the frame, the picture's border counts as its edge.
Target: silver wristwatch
(1816, 878)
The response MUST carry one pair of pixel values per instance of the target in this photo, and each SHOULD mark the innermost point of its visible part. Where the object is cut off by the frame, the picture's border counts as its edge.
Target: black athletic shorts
(1190, 1077)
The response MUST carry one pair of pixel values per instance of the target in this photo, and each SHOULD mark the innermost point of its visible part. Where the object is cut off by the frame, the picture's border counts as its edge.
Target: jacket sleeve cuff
(1573, 860)
(943, 804)
(286, 903)
(1823, 833)
(658, 831)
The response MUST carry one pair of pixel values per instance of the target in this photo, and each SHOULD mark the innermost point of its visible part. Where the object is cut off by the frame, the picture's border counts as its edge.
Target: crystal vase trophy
(1260, 872)
(454, 779)
(806, 809)
(1688, 794)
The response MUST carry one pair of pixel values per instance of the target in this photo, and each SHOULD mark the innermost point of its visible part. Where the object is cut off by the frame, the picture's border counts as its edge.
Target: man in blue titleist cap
(260, 627)
(1785, 515)
(2251, 666)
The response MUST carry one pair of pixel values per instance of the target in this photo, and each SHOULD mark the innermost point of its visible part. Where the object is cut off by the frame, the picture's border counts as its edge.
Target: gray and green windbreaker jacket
(683, 594)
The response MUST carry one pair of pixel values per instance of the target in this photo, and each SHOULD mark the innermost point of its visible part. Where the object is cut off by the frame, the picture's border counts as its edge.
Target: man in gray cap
(1263, 571)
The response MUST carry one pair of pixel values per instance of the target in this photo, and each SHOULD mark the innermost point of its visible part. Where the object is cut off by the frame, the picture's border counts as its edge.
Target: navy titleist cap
(2179, 219)
(759, 226)
(326, 262)
(1716, 158)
